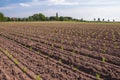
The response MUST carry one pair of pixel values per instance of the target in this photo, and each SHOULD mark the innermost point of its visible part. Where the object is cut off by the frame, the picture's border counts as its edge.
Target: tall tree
(42, 17)
(103, 19)
(113, 20)
(61, 18)
(30, 18)
(37, 17)
(7, 18)
(98, 19)
(81, 19)
(52, 18)
(2, 18)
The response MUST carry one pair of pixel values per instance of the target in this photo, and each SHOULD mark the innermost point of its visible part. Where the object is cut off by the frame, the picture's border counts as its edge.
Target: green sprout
(60, 61)
(38, 77)
(6, 52)
(90, 47)
(103, 59)
(25, 69)
(16, 62)
(62, 47)
(73, 52)
(52, 45)
(31, 48)
(104, 51)
(98, 76)
(10, 56)
(75, 68)
(61, 41)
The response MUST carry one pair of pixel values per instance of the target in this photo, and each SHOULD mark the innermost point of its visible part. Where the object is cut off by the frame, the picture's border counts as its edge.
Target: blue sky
(86, 9)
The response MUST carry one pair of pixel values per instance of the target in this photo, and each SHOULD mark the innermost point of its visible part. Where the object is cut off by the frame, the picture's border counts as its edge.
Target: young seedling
(38, 52)
(16, 62)
(90, 47)
(30, 48)
(61, 41)
(24, 69)
(60, 61)
(62, 47)
(47, 56)
(52, 45)
(103, 59)
(116, 47)
(104, 44)
(51, 54)
(104, 51)
(6, 52)
(38, 77)
(115, 43)
(73, 52)
(75, 68)
(98, 76)
(79, 46)
(10, 56)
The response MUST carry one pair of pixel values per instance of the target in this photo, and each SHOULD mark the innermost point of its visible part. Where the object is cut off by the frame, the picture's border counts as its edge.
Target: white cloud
(37, 3)
(35, 0)
(63, 2)
(100, 3)
(24, 4)
(52, 2)
(6, 8)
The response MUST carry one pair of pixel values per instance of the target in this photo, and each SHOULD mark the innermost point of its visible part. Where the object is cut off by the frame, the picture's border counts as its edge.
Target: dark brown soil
(60, 51)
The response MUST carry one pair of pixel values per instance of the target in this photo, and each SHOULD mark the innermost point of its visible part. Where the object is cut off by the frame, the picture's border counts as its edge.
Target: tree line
(42, 17)
(103, 20)
(38, 17)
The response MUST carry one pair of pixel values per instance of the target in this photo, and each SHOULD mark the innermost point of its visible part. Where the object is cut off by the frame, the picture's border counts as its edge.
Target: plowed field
(59, 51)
